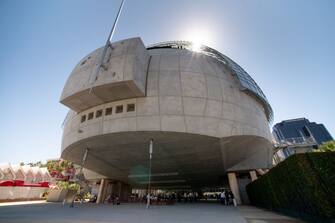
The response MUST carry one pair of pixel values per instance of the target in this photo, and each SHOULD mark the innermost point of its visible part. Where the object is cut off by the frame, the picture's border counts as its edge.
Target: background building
(298, 136)
(301, 128)
(23, 182)
(208, 118)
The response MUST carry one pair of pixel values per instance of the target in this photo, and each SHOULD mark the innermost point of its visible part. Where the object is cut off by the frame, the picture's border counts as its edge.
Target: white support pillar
(101, 193)
(234, 187)
(253, 175)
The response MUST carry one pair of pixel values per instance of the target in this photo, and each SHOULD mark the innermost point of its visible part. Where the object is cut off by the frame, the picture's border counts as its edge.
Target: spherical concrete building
(206, 115)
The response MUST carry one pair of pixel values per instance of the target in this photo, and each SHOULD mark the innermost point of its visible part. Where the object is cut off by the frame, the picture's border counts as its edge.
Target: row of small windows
(108, 111)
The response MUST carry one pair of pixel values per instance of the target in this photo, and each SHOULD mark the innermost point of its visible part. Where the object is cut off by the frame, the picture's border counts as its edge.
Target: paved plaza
(125, 213)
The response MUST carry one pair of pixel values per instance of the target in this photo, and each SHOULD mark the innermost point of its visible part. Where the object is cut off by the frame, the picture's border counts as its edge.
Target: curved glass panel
(247, 83)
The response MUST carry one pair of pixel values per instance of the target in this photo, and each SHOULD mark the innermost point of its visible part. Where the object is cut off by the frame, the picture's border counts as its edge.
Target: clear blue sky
(288, 47)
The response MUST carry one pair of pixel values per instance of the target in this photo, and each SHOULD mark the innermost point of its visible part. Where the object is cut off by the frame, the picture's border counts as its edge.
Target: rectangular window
(98, 113)
(306, 132)
(130, 107)
(83, 118)
(109, 111)
(90, 116)
(119, 109)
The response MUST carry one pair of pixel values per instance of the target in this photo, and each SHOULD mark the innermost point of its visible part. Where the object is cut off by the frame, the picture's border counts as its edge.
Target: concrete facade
(202, 123)
(123, 76)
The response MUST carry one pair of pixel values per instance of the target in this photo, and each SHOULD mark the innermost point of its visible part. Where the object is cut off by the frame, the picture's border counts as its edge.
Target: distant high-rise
(301, 128)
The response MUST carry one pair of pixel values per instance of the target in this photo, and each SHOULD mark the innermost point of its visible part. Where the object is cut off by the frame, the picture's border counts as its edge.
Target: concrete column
(141, 193)
(120, 188)
(101, 193)
(112, 188)
(253, 175)
(234, 187)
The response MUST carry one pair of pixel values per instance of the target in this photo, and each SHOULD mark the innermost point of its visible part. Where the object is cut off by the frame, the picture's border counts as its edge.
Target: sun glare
(198, 36)
(196, 46)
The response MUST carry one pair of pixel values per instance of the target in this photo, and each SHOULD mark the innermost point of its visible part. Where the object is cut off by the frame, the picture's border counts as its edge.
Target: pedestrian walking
(222, 197)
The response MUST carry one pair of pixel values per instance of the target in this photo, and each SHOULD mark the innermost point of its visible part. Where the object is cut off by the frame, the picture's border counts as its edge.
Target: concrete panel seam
(181, 92)
(158, 91)
(147, 75)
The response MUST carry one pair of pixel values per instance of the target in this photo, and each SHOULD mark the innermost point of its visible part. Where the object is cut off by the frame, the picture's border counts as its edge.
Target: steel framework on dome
(247, 83)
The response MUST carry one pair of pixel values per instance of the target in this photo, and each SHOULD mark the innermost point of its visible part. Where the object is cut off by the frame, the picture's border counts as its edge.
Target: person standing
(222, 197)
(226, 197)
(232, 198)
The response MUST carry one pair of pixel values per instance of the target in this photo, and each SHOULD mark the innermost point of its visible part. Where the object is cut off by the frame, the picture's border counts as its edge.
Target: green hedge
(302, 186)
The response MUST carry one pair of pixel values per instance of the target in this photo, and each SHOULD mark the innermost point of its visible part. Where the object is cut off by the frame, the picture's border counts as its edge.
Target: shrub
(68, 185)
(302, 186)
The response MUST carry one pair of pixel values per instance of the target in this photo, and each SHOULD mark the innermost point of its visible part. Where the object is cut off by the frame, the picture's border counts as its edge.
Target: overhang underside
(179, 159)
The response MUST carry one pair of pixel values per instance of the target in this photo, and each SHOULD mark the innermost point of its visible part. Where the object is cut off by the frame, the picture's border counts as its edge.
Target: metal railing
(296, 141)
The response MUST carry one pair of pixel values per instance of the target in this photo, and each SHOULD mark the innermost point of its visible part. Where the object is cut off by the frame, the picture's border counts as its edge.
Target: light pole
(149, 181)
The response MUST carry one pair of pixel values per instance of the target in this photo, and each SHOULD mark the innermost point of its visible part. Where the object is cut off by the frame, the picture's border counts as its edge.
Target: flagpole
(94, 77)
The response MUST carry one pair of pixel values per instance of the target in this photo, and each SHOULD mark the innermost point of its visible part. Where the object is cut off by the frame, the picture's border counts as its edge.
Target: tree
(62, 170)
(39, 164)
(327, 146)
